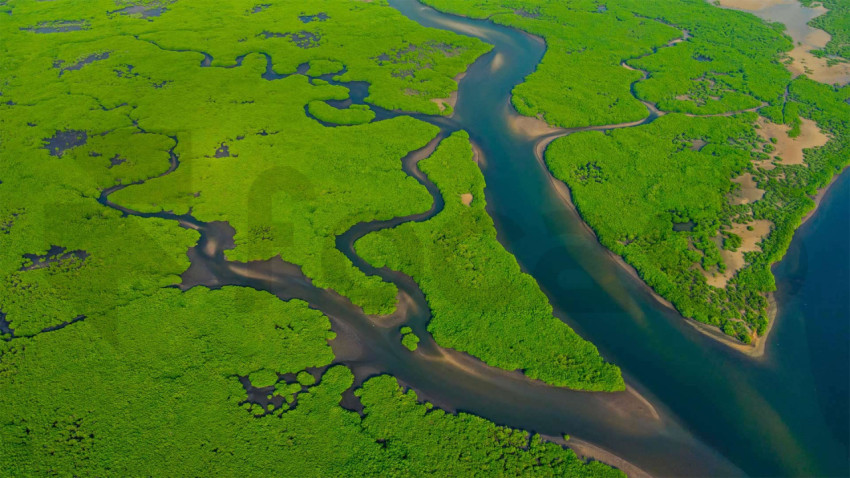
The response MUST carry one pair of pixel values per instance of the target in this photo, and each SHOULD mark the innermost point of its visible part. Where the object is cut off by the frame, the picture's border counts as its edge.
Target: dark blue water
(784, 414)
(814, 296)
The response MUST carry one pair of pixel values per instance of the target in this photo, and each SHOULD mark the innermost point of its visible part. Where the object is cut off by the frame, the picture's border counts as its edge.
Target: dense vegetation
(726, 65)
(505, 319)
(153, 388)
(132, 88)
(409, 339)
(355, 114)
(106, 369)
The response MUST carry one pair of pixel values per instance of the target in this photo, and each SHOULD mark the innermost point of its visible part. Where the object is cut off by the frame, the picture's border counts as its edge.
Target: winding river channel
(694, 406)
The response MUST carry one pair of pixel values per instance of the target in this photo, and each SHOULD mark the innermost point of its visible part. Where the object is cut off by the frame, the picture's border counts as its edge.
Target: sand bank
(588, 451)
(498, 62)
(530, 127)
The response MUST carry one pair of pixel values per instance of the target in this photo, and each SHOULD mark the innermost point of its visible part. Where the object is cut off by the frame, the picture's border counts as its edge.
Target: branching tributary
(623, 428)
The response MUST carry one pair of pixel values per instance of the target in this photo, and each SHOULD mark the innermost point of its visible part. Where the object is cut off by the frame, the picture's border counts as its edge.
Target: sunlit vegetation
(48, 198)
(153, 388)
(634, 185)
(659, 194)
(482, 303)
(836, 22)
(728, 63)
(355, 114)
(292, 194)
(409, 339)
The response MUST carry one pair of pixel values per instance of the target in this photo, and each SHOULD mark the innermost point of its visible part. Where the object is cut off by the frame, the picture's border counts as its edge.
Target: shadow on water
(780, 415)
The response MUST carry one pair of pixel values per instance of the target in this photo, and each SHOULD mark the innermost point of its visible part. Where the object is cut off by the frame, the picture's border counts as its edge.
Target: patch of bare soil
(734, 260)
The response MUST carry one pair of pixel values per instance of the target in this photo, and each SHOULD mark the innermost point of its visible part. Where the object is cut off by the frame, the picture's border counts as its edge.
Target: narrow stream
(694, 407)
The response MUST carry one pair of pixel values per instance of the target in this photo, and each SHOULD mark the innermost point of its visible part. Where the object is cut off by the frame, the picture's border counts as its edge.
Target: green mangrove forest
(130, 128)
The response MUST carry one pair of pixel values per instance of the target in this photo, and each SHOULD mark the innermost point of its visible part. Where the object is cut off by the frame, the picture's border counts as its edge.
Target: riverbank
(755, 350)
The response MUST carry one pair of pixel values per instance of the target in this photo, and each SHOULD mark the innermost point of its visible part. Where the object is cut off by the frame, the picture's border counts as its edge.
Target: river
(786, 413)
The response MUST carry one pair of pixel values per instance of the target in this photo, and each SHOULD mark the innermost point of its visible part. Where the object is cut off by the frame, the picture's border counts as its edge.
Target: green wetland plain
(452, 238)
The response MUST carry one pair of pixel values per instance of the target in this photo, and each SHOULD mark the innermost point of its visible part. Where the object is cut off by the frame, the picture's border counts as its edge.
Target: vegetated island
(704, 199)
(119, 115)
(456, 259)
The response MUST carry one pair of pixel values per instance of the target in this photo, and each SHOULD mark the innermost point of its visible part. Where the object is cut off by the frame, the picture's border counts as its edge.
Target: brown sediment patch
(790, 150)
(749, 191)
(804, 62)
(498, 62)
(530, 127)
(441, 103)
(649, 407)
(451, 101)
(624, 65)
(466, 199)
(698, 144)
(628, 403)
(734, 260)
(750, 4)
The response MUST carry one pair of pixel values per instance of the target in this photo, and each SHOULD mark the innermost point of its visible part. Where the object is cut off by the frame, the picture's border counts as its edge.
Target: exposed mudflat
(734, 260)
(749, 191)
(790, 151)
